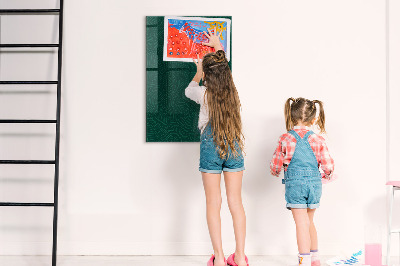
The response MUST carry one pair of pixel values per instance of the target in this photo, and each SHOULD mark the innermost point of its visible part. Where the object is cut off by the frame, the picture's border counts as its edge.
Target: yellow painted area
(216, 25)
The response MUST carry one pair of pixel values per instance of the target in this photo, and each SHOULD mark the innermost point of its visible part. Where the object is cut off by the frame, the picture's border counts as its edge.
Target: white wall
(121, 195)
(394, 110)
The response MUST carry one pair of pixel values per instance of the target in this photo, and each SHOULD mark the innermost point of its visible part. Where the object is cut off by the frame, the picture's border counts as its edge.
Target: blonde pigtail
(288, 114)
(321, 116)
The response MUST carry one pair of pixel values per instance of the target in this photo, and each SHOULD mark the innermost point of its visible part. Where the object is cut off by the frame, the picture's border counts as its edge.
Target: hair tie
(218, 64)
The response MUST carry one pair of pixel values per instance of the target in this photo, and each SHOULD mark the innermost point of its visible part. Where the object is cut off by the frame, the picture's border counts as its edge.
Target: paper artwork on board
(183, 37)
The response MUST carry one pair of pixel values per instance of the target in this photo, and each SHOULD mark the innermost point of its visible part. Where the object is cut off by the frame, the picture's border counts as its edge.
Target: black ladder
(57, 82)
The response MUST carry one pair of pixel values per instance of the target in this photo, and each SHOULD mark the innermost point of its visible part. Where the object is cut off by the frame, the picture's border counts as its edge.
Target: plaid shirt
(287, 144)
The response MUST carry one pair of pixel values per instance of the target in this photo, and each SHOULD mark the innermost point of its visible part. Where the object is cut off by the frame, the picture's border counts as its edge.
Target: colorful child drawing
(183, 37)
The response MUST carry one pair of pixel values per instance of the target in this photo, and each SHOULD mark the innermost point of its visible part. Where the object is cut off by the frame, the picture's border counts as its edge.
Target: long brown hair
(223, 104)
(303, 110)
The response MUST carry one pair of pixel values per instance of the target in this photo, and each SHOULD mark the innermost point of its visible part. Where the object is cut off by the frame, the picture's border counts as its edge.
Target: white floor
(143, 260)
(136, 260)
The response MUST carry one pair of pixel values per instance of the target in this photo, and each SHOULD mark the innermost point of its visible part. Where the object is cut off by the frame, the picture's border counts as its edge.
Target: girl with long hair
(220, 147)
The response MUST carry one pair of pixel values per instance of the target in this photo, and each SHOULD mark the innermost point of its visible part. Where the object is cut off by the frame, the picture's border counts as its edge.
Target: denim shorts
(210, 160)
(303, 193)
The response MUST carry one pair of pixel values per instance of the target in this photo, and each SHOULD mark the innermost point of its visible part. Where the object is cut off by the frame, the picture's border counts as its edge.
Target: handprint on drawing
(183, 37)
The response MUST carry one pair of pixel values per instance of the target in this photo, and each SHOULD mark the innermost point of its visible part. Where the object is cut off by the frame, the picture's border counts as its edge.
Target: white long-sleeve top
(196, 93)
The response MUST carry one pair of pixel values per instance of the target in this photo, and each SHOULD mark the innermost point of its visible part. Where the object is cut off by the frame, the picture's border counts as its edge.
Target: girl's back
(287, 146)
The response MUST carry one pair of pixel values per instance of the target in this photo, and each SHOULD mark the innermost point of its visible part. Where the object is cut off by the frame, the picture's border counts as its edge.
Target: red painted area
(180, 46)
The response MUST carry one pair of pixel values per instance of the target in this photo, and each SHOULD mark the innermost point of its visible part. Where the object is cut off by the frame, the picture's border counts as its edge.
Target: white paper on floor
(350, 258)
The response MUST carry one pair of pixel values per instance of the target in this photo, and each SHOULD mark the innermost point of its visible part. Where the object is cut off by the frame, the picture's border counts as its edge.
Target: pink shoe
(211, 261)
(316, 263)
(231, 260)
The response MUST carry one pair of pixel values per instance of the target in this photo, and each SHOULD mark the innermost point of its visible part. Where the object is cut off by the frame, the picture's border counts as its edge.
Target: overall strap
(294, 133)
(308, 134)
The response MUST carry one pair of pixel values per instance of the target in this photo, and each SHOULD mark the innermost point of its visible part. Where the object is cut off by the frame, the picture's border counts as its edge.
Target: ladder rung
(29, 82)
(38, 204)
(33, 45)
(27, 161)
(28, 11)
(27, 121)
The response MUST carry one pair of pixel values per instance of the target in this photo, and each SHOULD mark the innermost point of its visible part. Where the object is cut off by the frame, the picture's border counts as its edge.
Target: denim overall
(302, 181)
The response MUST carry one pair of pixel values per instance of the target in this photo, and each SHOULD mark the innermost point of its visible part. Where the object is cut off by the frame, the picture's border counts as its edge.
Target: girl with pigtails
(302, 154)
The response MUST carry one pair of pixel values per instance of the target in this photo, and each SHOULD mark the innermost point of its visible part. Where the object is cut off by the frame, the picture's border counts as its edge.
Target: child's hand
(213, 39)
(199, 66)
(273, 173)
(331, 178)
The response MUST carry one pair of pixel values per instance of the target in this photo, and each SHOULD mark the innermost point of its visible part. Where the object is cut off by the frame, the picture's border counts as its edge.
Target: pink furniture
(394, 185)
(373, 254)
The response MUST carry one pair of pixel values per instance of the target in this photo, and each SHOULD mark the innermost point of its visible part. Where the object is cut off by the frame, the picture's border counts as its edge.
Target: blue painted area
(198, 27)
(176, 23)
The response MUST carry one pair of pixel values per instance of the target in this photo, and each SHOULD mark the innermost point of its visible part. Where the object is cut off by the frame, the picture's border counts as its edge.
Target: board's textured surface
(170, 116)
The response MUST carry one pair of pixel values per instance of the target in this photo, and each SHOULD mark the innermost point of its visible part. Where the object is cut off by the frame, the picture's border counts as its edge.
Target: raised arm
(199, 72)
(195, 92)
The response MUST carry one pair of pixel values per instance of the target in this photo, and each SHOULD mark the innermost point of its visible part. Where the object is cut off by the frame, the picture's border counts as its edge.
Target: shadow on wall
(375, 219)
(375, 213)
(184, 184)
(263, 193)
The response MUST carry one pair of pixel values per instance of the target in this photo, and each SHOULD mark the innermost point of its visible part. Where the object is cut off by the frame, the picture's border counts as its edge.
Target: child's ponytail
(288, 114)
(321, 116)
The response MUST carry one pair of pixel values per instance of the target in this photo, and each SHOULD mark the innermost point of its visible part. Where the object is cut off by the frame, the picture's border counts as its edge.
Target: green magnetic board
(170, 116)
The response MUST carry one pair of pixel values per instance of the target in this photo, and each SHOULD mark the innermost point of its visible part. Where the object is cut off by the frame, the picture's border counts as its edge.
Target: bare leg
(233, 183)
(302, 221)
(212, 188)
(313, 230)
